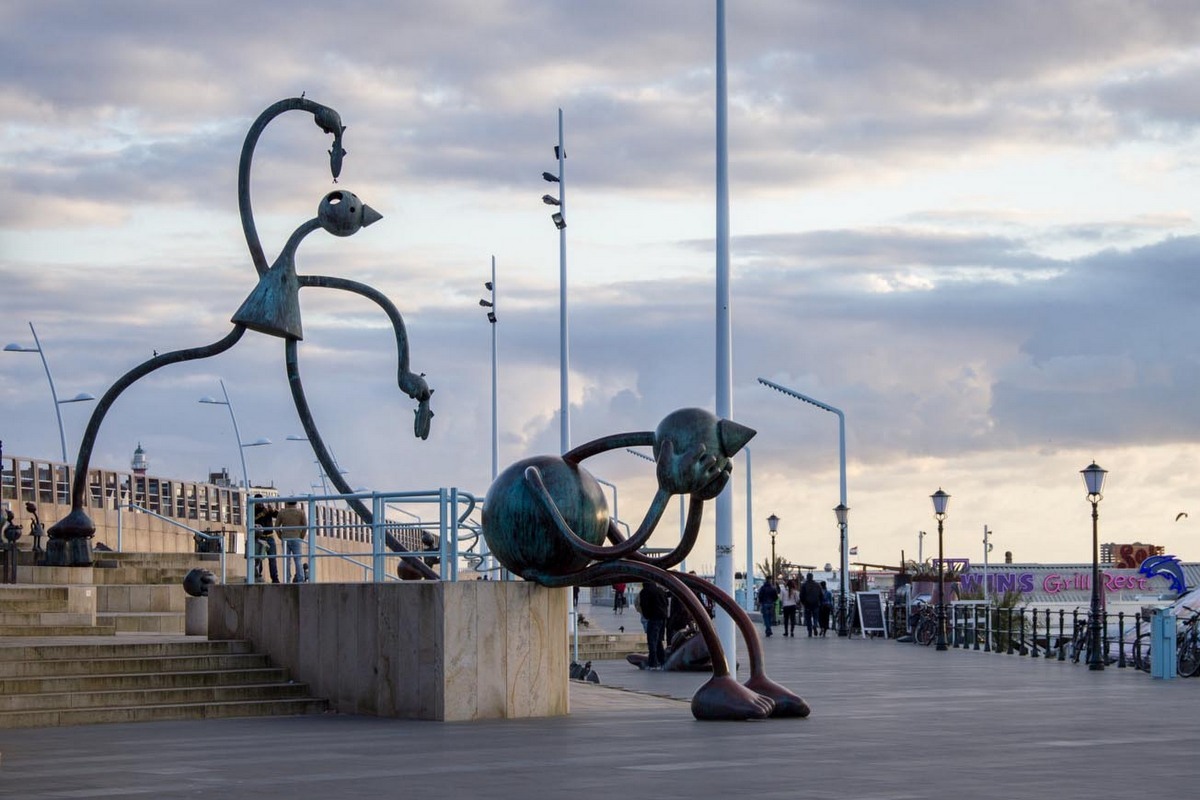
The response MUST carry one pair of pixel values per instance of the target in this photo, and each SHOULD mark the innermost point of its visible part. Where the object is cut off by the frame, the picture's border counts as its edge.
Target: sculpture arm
(606, 443)
(412, 384)
(533, 476)
(327, 120)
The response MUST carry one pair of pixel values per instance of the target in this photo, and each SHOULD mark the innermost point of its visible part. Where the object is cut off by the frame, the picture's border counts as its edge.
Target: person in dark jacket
(768, 593)
(811, 597)
(654, 604)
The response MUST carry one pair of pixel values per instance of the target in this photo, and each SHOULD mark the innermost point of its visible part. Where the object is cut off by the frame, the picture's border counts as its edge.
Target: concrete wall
(418, 650)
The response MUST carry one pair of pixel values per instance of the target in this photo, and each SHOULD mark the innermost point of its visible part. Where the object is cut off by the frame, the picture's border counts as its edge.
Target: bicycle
(925, 628)
(1081, 646)
(1189, 648)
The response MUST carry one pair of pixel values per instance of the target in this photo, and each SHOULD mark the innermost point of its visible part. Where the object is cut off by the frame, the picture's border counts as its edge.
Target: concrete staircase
(84, 645)
(602, 646)
(58, 684)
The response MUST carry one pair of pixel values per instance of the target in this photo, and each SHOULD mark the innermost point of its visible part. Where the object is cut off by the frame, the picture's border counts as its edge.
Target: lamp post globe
(773, 526)
(1093, 479)
(940, 501)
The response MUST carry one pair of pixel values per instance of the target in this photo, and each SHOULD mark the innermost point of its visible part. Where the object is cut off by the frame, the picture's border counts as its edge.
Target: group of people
(291, 523)
(812, 598)
(664, 618)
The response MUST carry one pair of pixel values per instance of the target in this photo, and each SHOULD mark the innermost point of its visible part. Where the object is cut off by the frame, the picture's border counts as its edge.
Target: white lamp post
(560, 221)
(844, 528)
(82, 397)
(236, 433)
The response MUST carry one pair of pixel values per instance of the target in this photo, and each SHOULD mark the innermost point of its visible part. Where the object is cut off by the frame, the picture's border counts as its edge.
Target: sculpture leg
(787, 703)
(77, 525)
(413, 565)
(722, 697)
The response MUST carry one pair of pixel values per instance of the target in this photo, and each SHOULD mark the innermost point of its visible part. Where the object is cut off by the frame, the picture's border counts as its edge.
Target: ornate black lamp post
(940, 500)
(1093, 477)
(773, 524)
(843, 627)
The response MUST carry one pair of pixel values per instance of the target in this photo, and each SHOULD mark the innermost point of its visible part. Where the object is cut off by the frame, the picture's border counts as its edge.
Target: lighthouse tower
(140, 463)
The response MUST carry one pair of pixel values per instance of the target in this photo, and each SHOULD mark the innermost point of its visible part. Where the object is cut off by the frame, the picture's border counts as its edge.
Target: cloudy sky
(970, 225)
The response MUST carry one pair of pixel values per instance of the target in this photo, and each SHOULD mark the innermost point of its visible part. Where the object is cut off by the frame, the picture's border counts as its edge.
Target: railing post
(377, 538)
(443, 536)
(1121, 639)
(454, 533)
(987, 628)
(312, 541)
(1105, 640)
(1033, 651)
(1062, 647)
(251, 538)
(1009, 631)
(1021, 649)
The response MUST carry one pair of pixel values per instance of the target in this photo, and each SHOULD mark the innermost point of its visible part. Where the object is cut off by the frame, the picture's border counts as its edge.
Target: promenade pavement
(890, 721)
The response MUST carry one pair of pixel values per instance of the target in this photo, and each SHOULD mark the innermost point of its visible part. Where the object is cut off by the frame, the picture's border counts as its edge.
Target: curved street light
(82, 397)
(236, 433)
(843, 526)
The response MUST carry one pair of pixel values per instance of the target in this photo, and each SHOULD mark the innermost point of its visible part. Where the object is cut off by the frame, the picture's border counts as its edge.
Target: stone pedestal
(419, 650)
(69, 552)
(195, 622)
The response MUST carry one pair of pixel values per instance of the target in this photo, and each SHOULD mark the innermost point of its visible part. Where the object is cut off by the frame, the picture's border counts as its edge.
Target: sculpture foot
(787, 703)
(724, 698)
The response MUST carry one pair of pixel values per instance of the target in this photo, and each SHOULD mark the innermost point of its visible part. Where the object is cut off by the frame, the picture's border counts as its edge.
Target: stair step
(141, 681)
(91, 716)
(44, 618)
(110, 666)
(103, 649)
(14, 597)
(175, 695)
(144, 621)
(38, 631)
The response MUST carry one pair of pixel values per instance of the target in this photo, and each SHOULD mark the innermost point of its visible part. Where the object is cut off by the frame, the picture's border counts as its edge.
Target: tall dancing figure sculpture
(272, 308)
(545, 518)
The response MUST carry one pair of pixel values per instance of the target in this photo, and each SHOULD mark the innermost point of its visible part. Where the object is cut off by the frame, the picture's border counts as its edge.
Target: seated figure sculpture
(545, 519)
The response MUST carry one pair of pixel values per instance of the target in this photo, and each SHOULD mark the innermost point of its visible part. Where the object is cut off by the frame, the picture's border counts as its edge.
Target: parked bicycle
(925, 626)
(1187, 649)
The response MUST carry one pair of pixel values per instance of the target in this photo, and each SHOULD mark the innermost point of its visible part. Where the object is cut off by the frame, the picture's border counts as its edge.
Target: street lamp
(940, 500)
(1093, 478)
(843, 581)
(490, 305)
(560, 221)
(773, 526)
(82, 397)
(237, 435)
(842, 511)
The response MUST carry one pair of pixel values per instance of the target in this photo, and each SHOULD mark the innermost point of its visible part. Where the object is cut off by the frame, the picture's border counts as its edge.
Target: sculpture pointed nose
(370, 215)
(733, 436)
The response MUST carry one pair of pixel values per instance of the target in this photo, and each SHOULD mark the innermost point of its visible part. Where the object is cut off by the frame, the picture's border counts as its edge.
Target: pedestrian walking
(767, 595)
(826, 608)
(791, 603)
(810, 598)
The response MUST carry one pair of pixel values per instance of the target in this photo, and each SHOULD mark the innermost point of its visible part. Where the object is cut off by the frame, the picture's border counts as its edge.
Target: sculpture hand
(424, 417)
(690, 472)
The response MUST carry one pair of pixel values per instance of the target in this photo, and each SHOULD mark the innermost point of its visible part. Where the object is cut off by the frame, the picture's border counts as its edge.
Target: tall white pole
(987, 546)
(748, 603)
(238, 436)
(62, 436)
(726, 630)
(487, 556)
(564, 366)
